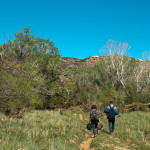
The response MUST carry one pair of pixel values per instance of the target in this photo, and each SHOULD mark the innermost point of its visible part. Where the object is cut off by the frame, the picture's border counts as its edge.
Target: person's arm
(115, 108)
(90, 117)
(108, 107)
(106, 111)
(98, 117)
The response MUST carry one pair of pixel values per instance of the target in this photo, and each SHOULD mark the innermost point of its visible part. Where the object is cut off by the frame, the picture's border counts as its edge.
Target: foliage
(43, 130)
(33, 76)
(20, 85)
(115, 77)
(31, 71)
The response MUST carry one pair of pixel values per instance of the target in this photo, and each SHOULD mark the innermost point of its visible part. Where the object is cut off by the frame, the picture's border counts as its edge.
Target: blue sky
(79, 28)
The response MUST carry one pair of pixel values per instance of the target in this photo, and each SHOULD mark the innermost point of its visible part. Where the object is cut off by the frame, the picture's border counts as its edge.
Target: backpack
(111, 113)
(95, 115)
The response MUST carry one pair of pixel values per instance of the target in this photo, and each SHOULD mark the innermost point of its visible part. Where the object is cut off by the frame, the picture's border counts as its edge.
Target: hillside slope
(75, 62)
(89, 61)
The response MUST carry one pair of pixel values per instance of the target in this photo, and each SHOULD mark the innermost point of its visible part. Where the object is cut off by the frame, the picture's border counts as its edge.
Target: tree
(31, 70)
(122, 71)
(142, 73)
(27, 65)
(19, 86)
(116, 63)
(26, 44)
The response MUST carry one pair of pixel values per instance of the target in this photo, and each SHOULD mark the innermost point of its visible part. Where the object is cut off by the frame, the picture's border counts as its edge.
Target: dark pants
(94, 126)
(111, 123)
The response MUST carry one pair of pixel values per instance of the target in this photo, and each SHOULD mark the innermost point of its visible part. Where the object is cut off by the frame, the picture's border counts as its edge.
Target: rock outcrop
(74, 62)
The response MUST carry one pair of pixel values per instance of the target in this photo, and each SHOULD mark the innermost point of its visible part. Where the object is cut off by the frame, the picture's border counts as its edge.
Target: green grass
(63, 130)
(43, 130)
(132, 131)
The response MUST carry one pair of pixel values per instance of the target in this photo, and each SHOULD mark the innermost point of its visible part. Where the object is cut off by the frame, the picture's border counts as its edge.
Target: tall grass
(63, 130)
(132, 131)
(43, 130)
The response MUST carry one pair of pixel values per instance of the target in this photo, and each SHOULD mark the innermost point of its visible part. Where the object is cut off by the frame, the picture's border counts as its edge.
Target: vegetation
(37, 130)
(31, 70)
(115, 77)
(34, 80)
(132, 131)
(33, 76)
(63, 129)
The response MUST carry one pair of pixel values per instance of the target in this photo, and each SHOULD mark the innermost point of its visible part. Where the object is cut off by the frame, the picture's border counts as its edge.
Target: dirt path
(81, 117)
(85, 145)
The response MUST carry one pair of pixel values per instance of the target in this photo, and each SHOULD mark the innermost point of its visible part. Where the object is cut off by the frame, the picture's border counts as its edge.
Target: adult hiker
(94, 119)
(111, 112)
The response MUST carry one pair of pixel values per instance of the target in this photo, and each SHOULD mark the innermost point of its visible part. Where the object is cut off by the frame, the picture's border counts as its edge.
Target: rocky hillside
(74, 62)
(89, 61)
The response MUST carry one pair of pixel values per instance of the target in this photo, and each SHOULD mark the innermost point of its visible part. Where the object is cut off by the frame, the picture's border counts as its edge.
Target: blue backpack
(111, 113)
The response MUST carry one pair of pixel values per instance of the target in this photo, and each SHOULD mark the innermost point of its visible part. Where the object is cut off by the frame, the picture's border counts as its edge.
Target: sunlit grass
(63, 130)
(132, 131)
(43, 130)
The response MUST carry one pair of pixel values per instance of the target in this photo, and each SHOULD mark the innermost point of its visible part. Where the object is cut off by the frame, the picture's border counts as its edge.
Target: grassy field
(43, 130)
(132, 131)
(63, 130)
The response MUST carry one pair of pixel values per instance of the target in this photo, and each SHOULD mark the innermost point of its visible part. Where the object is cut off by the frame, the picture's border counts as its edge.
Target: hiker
(94, 119)
(111, 112)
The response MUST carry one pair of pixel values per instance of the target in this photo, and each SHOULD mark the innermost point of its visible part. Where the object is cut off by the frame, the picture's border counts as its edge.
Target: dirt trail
(81, 117)
(85, 145)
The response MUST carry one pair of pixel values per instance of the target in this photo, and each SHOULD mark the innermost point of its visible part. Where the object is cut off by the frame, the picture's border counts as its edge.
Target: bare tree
(114, 55)
(142, 72)
(125, 70)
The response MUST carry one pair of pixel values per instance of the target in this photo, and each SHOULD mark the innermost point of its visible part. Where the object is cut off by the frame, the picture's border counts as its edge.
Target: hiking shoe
(95, 135)
(110, 133)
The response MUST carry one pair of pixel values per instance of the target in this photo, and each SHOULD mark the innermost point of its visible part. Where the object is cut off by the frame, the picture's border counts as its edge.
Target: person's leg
(93, 126)
(109, 123)
(96, 130)
(113, 125)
